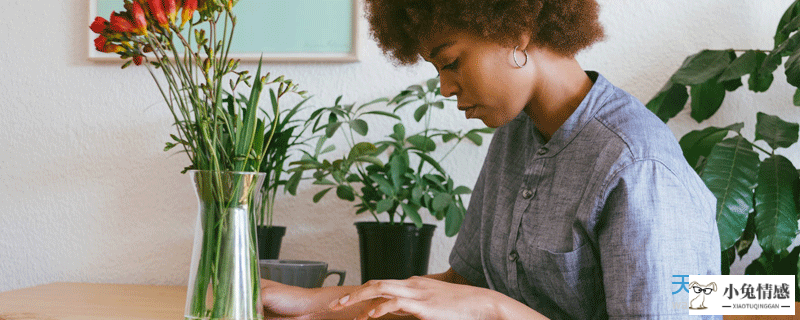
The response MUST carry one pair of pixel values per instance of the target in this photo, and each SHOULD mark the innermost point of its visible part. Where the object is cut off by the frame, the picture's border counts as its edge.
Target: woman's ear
(524, 41)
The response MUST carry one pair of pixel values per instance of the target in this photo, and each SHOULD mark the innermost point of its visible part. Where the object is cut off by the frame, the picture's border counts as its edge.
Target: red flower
(137, 60)
(102, 45)
(99, 25)
(120, 24)
(157, 10)
(172, 10)
(189, 6)
(139, 19)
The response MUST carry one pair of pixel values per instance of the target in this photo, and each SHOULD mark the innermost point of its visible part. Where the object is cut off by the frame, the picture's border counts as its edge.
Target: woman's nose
(448, 86)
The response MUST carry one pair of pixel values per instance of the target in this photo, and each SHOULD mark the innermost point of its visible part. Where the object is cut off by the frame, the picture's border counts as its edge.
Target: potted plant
(756, 199)
(396, 175)
(223, 137)
(286, 136)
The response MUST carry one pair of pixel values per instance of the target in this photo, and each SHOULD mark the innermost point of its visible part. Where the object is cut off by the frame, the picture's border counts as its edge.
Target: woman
(585, 207)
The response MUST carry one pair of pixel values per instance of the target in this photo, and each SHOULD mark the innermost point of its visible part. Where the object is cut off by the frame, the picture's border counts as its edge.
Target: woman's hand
(424, 298)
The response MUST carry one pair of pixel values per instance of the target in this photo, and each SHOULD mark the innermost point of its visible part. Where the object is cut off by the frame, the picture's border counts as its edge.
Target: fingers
(374, 289)
(397, 306)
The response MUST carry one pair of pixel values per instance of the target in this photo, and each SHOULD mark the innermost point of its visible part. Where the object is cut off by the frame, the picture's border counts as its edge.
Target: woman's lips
(469, 112)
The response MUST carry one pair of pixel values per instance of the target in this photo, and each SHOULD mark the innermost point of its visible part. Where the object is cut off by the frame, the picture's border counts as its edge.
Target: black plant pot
(269, 241)
(393, 251)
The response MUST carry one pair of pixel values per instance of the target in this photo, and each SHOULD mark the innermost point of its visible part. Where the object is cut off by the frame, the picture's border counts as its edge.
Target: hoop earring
(514, 55)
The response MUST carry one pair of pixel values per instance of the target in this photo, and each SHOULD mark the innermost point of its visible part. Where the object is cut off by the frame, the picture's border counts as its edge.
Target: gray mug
(306, 274)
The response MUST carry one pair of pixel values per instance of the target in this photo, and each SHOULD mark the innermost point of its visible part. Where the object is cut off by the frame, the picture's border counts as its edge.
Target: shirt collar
(600, 92)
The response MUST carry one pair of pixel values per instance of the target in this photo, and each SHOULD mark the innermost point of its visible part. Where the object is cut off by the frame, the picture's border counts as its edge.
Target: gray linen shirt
(593, 223)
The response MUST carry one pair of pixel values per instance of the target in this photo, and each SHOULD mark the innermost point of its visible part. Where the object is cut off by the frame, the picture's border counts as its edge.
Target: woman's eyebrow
(440, 47)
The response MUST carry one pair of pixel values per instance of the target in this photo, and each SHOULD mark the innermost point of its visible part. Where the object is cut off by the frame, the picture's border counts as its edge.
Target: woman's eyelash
(450, 66)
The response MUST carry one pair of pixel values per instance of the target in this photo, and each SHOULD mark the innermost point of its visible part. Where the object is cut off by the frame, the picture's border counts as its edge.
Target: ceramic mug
(306, 274)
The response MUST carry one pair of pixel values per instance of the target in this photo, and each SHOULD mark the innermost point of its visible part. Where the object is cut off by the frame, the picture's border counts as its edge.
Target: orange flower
(157, 10)
(139, 19)
(99, 25)
(121, 24)
(172, 10)
(189, 6)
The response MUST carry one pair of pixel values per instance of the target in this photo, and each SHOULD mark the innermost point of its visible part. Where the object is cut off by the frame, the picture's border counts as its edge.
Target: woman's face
(482, 75)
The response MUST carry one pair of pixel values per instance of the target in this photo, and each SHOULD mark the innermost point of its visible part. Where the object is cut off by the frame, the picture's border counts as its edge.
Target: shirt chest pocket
(572, 280)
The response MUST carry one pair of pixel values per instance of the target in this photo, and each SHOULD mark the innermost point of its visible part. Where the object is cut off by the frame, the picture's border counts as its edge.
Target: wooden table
(85, 301)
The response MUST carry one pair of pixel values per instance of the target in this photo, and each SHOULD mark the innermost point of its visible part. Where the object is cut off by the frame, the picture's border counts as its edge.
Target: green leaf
(431, 161)
(399, 132)
(422, 143)
(320, 194)
(793, 69)
(728, 257)
(669, 101)
(453, 220)
(760, 82)
(698, 143)
(383, 113)
(776, 215)
(384, 205)
(746, 241)
(731, 85)
(747, 63)
(416, 193)
(371, 103)
(412, 214)
(293, 182)
(441, 201)
(370, 159)
(397, 166)
(776, 132)
(420, 112)
(345, 192)
(701, 67)
(474, 137)
(462, 190)
(796, 98)
(432, 84)
(706, 99)
(448, 136)
(331, 128)
(383, 184)
(359, 126)
(788, 23)
(730, 173)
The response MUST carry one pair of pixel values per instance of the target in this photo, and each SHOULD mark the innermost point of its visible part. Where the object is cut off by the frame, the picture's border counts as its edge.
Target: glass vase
(224, 279)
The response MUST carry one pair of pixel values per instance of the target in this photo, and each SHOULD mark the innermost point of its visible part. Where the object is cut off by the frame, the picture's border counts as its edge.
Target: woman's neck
(561, 84)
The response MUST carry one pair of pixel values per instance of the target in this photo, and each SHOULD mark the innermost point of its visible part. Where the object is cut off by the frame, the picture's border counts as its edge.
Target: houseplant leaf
(359, 126)
(701, 67)
(747, 63)
(698, 143)
(320, 194)
(749, 234)
(412, 213)
(345, 192)
(730, 173)
(453, 220)
(474, 137)
(420, 112)
(790, 17)
(776, 132)
(422, 143)
(706, 99)
(776, 215)
(360, 149)
(793, 69)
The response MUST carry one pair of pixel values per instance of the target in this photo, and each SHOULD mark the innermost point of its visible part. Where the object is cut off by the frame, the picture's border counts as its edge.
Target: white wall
(86, 194)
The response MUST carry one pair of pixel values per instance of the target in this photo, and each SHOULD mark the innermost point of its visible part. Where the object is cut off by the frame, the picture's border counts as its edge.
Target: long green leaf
(244, 138)
(422, 143)
(412, 213)
(431, 161)
(730, 173)
(776, 218)
(745, 64)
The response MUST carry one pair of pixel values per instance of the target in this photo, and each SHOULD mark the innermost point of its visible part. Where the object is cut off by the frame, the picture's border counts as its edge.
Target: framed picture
(281, 30)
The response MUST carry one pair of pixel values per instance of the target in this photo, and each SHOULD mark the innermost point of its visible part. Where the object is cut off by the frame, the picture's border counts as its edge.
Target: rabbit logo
(702, 291)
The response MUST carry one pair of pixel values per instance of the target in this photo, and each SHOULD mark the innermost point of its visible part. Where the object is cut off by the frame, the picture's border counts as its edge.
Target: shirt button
(513, 256)
(542, 151)
(527, 194)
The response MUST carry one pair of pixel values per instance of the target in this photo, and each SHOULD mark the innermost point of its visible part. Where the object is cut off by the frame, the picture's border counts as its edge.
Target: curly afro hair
(564, 26)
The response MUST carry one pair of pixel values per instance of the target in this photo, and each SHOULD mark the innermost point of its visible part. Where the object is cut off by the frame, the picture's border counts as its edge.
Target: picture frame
(280, 30)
